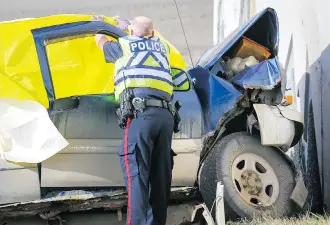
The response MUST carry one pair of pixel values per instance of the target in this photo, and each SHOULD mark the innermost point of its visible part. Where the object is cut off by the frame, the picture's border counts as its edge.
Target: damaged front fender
(279, 126)
(217, 97)
(282, 127)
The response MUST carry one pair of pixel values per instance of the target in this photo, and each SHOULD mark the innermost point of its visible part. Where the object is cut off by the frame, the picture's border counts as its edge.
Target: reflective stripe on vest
(179, 78)
(144, 64)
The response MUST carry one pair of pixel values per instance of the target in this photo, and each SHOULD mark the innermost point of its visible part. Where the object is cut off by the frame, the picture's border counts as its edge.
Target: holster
(130, 105)
(126, 109)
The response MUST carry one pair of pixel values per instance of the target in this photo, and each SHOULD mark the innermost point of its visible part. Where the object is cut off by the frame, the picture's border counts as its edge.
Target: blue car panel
(264, 75)
(191, 115)
(217, 96)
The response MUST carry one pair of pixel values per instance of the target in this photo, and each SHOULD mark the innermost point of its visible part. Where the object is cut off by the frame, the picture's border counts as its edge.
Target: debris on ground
(307, 219)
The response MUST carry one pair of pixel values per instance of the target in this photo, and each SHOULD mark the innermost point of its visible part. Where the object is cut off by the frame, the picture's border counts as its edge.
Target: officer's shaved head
(142, 26)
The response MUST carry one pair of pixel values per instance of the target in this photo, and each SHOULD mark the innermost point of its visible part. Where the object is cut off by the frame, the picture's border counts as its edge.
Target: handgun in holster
(126, 109)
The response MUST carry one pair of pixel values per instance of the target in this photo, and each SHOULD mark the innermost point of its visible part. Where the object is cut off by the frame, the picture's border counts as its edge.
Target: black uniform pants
(147, 161)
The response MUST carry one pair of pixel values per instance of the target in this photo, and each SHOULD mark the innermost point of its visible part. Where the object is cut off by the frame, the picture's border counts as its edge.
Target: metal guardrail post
(220, 208)
(219, 211)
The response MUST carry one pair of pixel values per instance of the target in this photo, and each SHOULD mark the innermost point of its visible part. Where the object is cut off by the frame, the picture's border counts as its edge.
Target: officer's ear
(152, 33)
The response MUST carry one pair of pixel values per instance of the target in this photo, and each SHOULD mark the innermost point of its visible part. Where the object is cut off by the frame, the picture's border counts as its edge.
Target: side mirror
(181, 79)
(65, 104)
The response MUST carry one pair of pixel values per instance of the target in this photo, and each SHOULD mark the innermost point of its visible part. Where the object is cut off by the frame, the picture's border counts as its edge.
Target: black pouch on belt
(173, 154)
(177, 118)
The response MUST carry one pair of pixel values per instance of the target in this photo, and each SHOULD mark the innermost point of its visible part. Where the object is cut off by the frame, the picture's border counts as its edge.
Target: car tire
(224, 163)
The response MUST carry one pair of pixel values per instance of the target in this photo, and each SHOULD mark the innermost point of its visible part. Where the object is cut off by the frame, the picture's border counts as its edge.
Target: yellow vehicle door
(55, 58)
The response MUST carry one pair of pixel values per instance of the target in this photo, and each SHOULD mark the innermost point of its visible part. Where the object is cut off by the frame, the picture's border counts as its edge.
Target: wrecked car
(234, 127)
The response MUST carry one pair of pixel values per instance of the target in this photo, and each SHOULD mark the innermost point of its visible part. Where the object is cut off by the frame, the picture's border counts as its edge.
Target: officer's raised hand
(122, 23)
(100, 38)
(98, 18)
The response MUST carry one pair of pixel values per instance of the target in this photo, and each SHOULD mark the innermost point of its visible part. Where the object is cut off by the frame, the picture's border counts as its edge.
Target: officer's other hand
(98, 18)
(122, 23)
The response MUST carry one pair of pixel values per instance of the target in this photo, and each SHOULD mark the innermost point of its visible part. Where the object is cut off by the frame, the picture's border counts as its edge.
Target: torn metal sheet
(62, 201)
(272, 122)
(57, 202)
(300, 192)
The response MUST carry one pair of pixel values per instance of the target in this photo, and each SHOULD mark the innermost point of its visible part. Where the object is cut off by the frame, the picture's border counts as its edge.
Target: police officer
(143, 81)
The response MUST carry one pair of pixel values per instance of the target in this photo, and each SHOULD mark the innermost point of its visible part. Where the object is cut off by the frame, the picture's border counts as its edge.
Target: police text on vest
(147, 45)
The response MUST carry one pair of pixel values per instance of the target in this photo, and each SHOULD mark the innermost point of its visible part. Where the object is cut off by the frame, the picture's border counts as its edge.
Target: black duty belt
(141, 104)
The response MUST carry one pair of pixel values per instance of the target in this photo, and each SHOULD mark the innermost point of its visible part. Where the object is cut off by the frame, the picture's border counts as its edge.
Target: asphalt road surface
(196, 18)
(176, 214)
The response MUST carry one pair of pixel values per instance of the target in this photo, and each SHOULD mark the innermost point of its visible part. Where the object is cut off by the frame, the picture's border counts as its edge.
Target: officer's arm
(100, 40)
(112, 50)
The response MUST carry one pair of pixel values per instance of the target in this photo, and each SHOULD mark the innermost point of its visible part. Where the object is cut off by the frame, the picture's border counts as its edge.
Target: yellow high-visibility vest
(144, 64)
